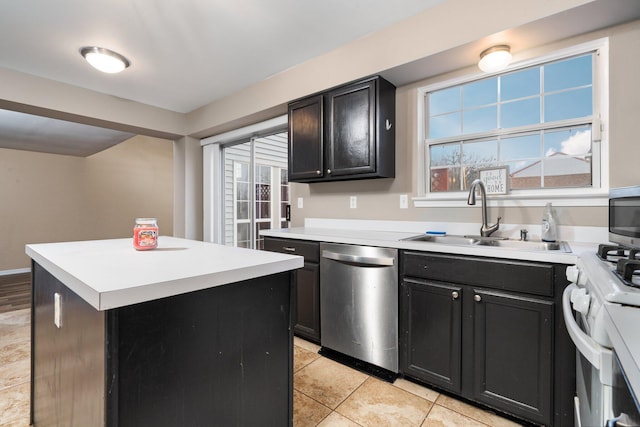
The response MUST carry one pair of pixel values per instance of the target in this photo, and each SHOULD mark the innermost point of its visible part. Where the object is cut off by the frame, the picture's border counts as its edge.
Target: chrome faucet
(486, 230)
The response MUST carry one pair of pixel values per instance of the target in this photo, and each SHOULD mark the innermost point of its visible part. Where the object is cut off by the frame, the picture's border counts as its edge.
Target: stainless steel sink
(491, 242)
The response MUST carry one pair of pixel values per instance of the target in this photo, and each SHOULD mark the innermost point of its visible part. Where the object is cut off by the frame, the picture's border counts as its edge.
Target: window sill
(460, 200)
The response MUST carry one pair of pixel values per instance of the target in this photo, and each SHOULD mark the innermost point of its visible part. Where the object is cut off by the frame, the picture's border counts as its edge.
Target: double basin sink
(496, 242)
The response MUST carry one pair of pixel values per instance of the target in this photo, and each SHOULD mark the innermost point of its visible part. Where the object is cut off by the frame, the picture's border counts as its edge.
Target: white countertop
(393, 239)
(111, 273)
(622, 326)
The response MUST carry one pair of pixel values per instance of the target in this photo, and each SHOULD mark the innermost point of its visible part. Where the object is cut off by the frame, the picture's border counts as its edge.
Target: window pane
(567, 105)
(520, 113)
(444, 154)
(242, 171)
(520, 147)
(480, 152)
(445, 179)
(568, 73)
(243, 235)
(263, 192)
(575, 141)
(242, 191)
(480, 120)
(445, 125)
(525, 174)
(242, 210)
(263, 210)
(520, 84)
(444, 101)
(480, 93)
(566, 171)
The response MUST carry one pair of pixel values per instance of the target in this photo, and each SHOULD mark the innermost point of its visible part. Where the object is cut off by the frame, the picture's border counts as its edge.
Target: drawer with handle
(309, 250)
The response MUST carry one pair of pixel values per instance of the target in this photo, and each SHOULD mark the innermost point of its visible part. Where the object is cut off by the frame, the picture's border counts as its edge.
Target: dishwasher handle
(358, 259)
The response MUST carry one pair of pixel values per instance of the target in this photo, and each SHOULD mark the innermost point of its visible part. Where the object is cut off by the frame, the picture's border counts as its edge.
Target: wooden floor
(15, 292)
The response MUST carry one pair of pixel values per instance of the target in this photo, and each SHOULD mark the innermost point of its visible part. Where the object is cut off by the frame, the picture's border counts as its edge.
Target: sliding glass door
(255, 189)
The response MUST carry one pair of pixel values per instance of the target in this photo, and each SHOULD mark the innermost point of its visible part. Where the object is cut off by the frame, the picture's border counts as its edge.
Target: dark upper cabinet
(345, 133)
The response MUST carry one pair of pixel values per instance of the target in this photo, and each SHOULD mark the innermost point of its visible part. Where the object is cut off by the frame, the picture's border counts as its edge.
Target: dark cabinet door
(431, 329)
(513, 338)
(306, 139)
(307, 309)
(305, 284)
(350, 139)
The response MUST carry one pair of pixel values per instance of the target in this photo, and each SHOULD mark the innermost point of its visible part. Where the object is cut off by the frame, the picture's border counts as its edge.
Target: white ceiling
(188, 53)
(184, 54)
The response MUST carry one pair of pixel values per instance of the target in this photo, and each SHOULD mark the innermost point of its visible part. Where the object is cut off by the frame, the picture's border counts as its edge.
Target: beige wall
(50, 198)
(379, 199)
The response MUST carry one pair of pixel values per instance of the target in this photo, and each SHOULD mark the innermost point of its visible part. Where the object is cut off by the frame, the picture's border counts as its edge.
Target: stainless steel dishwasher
(359, 303)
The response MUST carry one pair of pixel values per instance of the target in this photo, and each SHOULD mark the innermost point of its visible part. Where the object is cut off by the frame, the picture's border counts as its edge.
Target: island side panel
(67, 362)
(219, 356)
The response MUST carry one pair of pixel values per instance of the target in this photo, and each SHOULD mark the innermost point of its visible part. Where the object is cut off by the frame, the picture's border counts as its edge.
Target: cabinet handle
(328, 171)
(477, 298)
(455, 295)
(289, 249)
(318, 172)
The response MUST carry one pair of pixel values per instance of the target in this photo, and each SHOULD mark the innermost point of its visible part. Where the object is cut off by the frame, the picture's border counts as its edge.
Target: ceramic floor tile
(15, 373)
(14, 351)
(14, 405)
(474, 412)
(306, 344)
(302, 358)
(306, 411)
(418, 390)
(439, 416)
(327, 382)
(336, 420)
(378, 403)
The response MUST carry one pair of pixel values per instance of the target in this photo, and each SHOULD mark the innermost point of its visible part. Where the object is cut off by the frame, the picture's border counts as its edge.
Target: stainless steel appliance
(359, 303)
(610, 276)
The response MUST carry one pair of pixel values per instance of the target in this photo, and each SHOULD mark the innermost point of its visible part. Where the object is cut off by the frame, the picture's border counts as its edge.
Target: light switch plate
(300, 203)
(353, 202)
(404, 201)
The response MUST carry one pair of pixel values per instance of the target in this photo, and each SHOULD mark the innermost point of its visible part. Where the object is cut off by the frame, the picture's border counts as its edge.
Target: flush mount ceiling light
(495, 58)
(104, 60)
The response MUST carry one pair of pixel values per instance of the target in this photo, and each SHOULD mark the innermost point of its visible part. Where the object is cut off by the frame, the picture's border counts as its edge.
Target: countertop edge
(393, 240)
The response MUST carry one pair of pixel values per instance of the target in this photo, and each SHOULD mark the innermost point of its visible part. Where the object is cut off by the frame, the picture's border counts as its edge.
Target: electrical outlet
(353, 202)
(404, 201)
(300, 203)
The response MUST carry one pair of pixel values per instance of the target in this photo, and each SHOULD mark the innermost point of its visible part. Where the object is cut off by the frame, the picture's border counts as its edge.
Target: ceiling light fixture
(495, 58)
(104, 60)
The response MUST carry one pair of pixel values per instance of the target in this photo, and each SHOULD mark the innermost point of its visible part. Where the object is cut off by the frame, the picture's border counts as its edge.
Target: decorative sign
(496, 180)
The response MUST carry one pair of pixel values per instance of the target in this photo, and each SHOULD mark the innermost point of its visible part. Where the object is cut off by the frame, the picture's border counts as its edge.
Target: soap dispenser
(549, 230)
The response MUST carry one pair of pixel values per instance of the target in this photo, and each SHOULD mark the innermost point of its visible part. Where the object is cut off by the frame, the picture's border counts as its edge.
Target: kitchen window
(542, 119)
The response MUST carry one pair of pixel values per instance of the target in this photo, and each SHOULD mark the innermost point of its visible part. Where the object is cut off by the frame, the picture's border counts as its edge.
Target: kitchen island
(190, 333)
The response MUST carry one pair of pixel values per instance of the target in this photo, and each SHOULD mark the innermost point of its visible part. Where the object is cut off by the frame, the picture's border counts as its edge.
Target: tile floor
(326, 393)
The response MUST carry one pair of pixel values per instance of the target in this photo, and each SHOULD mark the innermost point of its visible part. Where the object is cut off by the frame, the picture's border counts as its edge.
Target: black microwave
(624, 216)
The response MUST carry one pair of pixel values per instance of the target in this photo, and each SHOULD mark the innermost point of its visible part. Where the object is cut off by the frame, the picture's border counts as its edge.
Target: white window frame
(595, 196)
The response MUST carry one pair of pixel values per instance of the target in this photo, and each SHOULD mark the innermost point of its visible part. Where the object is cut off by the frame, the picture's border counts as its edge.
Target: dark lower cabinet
(512, 357)
(432, 323)
(306, 285)
(485, 341)
(221, 356)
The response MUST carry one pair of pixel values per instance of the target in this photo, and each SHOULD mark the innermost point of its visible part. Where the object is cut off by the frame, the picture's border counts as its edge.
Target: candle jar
(145, 234)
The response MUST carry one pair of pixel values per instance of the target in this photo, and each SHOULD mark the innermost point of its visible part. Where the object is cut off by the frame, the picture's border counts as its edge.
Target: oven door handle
(584, 343)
